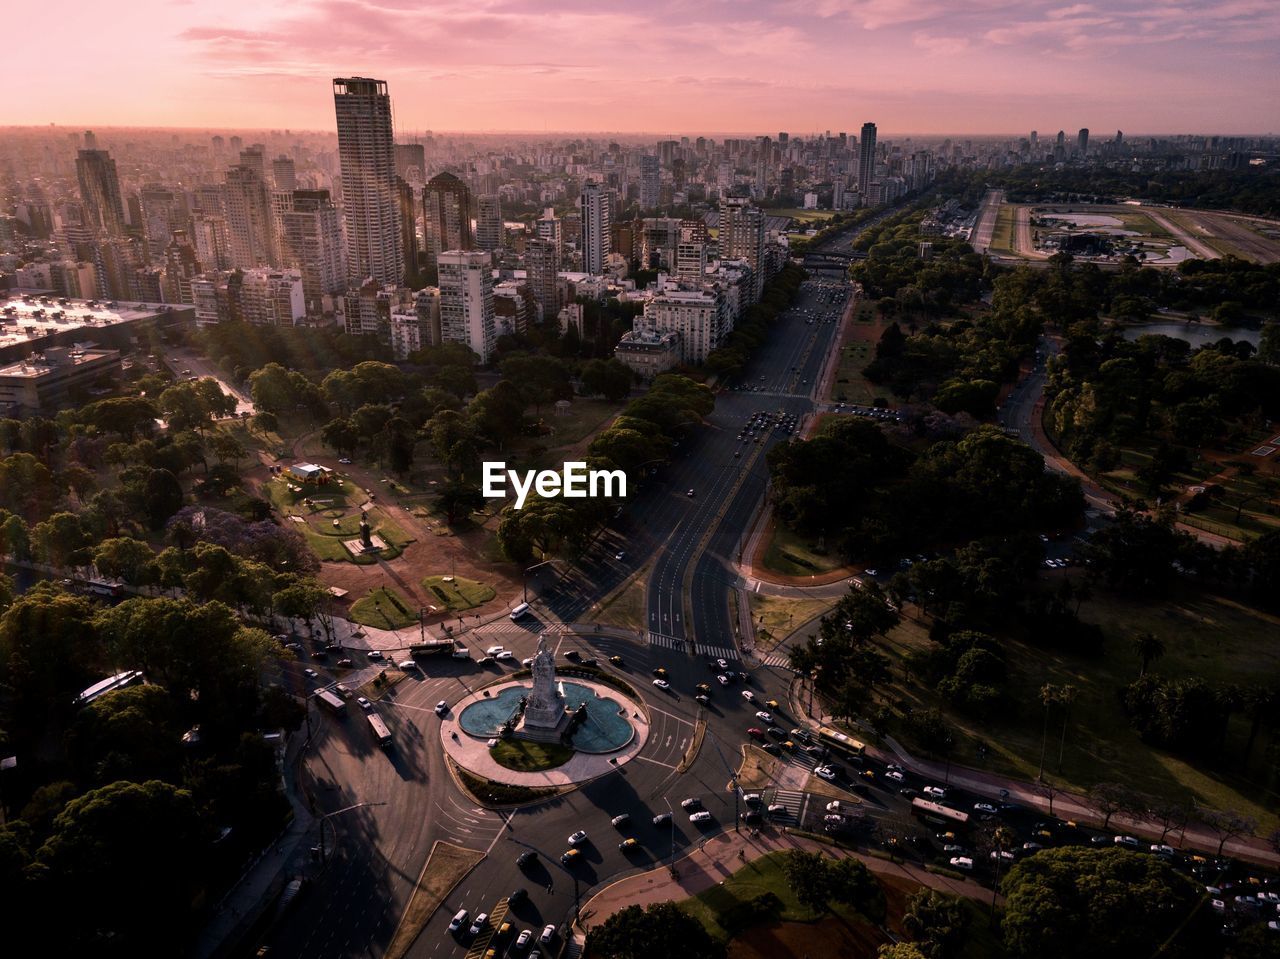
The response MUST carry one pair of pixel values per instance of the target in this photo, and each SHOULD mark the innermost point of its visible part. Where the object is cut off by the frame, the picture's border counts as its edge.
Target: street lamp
(325, 818)
(524, 582)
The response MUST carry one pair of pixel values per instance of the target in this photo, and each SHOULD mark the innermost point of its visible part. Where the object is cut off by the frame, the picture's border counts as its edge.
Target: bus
(937, 814)
(332, 701)
(842, 746)
(380, 731)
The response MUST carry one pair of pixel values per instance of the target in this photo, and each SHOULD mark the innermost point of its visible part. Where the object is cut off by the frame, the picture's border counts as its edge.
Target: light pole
(524, 582)
(671, 819)
(325, 818)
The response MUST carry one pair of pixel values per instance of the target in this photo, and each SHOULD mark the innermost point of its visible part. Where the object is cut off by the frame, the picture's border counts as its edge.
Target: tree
(1111, 798)
(127, 734)
(809, 878)
(936, 923)
(852, 883)
(900, 950)
(1226, 824)
(662, 929)
(1103, 903)
(115, 846)
(609, 378)
(1149, 648)
(61, 541)
(127, 559)
(340, 435)
(459, 499)
(161, 497)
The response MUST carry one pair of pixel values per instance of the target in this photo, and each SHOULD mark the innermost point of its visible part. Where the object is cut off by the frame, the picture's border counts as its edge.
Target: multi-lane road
(401, 802)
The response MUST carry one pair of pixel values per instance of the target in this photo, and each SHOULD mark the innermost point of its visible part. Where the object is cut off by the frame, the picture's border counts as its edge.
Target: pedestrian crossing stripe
(716, 652)
(662, 639)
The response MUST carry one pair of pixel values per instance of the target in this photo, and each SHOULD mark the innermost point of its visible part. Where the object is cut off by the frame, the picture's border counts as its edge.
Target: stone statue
(365, 540)
(545, 706)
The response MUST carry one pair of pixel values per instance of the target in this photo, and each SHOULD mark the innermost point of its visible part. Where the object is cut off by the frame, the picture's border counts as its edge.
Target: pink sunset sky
(923, 66)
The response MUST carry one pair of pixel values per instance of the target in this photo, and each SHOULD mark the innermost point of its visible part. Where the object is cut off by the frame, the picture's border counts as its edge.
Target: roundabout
(595, 726)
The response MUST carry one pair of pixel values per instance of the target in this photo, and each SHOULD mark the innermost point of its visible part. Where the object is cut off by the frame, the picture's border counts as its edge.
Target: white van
(519, 611)
(459, 918)
(407, 665)
(462, 654)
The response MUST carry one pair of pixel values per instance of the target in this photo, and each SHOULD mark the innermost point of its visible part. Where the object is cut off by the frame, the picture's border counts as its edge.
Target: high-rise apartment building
(596, 205)
(741, 237)
(250, 223)
(311, 241)
(411, 162)
(100, 191)
(408, 201)
(369, 197)
(550, 229)
(181, 266)
(284, 174)
(466, 300)
(541, 264)
(649, 182)
(1082, 141)
(213, 246)
(272, 297)
(255, 158)
(446, 215)
(866, 158)
(489, 221)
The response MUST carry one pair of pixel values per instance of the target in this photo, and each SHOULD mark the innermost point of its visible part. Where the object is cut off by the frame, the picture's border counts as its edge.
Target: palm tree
(1066, 696)
(1048, 696)
(1149, 648)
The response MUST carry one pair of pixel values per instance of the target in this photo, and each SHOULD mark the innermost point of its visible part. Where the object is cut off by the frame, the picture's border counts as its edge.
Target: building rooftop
(54, 360)
(26, 316)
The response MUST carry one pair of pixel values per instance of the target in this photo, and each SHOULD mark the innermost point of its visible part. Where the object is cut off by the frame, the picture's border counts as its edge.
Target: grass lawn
(848, 385)
(724, 909)
(1206, 636)
(458, 592)
(383, 608)
(794, 555)
(583, 418)
(1002, 236)
(527, 757)
(625, 607)
(445, 867)
(807, 217)
(776, 616)
(758, 768)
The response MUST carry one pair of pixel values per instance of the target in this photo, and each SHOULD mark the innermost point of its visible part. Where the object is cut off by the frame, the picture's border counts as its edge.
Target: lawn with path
(457, 592)
(383, 608)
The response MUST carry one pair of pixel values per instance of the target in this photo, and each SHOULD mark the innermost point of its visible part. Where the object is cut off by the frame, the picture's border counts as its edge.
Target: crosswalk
(716, 652)
(777, 660)
(665, 641)
(792, 799)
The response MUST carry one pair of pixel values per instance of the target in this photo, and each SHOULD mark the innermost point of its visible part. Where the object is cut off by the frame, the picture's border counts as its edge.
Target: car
(1217, 905)
(485, 661)
(459, 918)
(700, 817)
(620, 555)
(518, 895)
(953, 849)
(1161, 849)
(441, 708)
(310, 673)
(662, 819)
(364, 704)
(621, 820)
(702, 698)
(748, 695)
(493, 650)
(722, 679)
(628, 845)
(572, 655)
(752, 799)
(776, 732)
(985, 807)
(934, 792)
(722, 664)
(777, 809)
(570, 857)
(375, 655)
(833, 806)
(345, 663)
(824, 772)
(548, 933)
(693, 802)
(522, 940)
(962, 862)
(773, 749)
(788, 745)
(1129, 842)
(480, 922)
(505, 655)
(764, 717)
(1003, 854)
(662, 684)
(578, 837)
(660, 672)
(703, 688)
(771, 703)
(504, 930)
(526, 858)
(755, 733)
(588, 662)
(615, 660)
(689, 493)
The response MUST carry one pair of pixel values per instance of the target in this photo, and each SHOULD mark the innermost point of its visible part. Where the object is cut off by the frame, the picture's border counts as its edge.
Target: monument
(369, 542)
(545, 719)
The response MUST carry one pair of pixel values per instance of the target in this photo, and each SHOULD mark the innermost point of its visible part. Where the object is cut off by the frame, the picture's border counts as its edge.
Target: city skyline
(491, 67)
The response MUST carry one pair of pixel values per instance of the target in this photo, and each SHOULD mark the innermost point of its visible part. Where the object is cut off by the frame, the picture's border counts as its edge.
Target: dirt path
(1182, 236)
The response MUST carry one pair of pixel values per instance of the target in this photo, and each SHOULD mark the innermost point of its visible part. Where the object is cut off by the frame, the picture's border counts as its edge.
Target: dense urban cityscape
(400, 525)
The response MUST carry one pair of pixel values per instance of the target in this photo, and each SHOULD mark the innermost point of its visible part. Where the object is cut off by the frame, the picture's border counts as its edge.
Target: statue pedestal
(357, 548)
(540, 733)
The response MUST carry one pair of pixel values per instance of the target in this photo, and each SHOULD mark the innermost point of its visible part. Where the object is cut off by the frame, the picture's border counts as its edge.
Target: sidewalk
(714, 860)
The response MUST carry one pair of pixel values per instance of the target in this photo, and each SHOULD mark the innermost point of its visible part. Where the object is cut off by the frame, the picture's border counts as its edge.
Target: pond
(605, 729)
(1197, 334)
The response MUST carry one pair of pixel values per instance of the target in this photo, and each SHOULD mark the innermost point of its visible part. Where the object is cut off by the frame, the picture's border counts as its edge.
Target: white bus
(380, 731)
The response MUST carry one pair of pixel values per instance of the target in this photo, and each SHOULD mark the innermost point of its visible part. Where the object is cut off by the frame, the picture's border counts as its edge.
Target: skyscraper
(250, 223)
(100, 190)
(284, 174)
(489, 221)
(541, 263)
(1082, 141)
(311, 241)
(466, 300)
(408, 230)
(366, 153)
(446, 215)
(595, 204)
(866, 158)
(742, 237)
(649, 182)
(255, 158)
